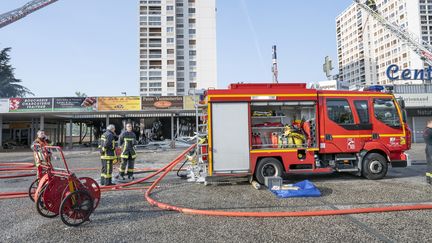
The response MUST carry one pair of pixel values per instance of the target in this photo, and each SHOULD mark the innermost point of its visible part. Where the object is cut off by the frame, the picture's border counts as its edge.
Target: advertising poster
(30, 104)
(75, 104)
(163, 102)
(127, 103)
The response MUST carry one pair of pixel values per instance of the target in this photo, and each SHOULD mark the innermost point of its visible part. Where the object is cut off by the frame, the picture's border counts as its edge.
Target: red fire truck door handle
(328, 137)
(375, 136)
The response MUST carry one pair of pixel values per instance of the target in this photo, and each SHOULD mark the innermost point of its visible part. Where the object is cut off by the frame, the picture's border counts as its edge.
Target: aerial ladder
(418, 45)
(19, 13)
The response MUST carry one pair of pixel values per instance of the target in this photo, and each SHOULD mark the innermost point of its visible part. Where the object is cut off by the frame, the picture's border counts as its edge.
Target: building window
(170, 73)
(170, 18)
(170, 40)
(170, 62)
(155, 85)
(192, 31)
(170, 29)
(192, 85)
(170, 8)
(171, 84)
(170, 51)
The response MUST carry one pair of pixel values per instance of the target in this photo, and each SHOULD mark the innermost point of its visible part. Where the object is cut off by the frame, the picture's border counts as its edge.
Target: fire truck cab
(264, 130)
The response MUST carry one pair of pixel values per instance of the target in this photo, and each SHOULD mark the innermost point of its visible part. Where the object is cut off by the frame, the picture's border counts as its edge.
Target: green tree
(9, 85)
(79, 94)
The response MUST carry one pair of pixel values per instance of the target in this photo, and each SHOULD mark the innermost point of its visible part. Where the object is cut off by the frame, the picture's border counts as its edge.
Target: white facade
(177, 46)
(366, 48)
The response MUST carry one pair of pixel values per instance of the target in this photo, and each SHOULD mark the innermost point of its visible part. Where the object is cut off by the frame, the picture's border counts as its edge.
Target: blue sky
(92, 46)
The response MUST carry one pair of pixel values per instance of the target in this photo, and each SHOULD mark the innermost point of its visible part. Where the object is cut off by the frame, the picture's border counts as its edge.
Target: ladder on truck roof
(19, 13)
(418, 45)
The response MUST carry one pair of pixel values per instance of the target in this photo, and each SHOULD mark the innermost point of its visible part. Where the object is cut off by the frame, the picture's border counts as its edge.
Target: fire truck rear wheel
(268, 167)
(375, 166)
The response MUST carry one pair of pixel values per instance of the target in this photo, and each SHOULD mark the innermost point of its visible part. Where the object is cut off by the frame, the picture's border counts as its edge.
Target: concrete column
(70, 134)
(42, 123)
(58, 133)
(1, 132)
(414, 130)
(80, 132)
(172, 131)
(91, 134)
(178, 127)
(107, 120)
(62, 133)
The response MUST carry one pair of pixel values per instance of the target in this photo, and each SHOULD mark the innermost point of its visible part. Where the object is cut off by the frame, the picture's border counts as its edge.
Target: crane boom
(419, 46)
(19, 13)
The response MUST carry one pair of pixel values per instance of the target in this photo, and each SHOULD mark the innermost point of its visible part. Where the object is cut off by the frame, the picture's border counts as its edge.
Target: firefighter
(107, 150)
(37, 146)
(427, 135)
(127, 141)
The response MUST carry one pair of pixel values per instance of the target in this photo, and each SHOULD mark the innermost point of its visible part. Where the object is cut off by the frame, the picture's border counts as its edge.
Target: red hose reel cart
(57, 191)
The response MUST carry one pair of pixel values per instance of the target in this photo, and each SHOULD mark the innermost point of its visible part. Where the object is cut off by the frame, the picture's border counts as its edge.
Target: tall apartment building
(177, 46)
(366, 48)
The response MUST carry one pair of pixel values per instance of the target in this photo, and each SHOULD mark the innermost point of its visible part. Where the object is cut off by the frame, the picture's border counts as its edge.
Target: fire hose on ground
(165, 206)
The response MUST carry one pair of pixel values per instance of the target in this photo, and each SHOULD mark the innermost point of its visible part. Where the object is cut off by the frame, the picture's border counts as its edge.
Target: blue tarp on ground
(306, 189)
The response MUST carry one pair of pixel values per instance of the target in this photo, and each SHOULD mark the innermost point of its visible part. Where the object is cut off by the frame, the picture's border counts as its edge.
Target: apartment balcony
(155, 67)
(155, 34)
(155, 56)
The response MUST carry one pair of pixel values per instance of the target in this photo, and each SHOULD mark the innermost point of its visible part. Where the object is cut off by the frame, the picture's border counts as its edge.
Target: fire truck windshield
(385, 111)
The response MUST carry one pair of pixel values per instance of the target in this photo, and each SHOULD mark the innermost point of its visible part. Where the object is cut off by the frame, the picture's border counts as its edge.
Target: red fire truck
(264, 130)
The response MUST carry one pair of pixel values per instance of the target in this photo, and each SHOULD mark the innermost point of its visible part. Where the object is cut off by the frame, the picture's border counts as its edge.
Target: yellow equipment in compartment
(291, 139)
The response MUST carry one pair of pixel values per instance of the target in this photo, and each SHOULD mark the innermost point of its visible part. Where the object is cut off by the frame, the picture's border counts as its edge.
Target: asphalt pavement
(125, 216)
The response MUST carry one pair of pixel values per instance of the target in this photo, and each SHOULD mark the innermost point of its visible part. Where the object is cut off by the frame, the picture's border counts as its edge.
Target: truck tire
(268, 167)
(375, 166)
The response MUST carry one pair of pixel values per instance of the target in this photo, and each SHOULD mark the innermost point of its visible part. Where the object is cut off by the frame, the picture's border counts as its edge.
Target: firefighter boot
(102, 181)
(109, 182)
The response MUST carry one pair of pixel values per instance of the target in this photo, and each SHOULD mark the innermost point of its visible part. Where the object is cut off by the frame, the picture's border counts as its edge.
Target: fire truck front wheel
(375, 166)
(268, 167)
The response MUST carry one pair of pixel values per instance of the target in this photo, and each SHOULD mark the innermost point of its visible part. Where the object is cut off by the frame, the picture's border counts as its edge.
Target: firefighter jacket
(427, 135)
(38, 152)
(127, 142)
(107, 145)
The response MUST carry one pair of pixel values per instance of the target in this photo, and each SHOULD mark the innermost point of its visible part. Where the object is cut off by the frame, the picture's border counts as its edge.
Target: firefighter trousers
(429, 163)
(130, 163)
(106, 172)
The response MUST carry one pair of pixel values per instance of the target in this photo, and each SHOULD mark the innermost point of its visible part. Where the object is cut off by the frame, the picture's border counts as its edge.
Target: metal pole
(172, 131)
(1, 132)
(107, 120)
(70, 134)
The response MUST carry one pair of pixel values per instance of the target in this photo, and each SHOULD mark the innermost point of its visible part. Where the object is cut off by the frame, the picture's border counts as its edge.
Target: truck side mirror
(401, 103)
